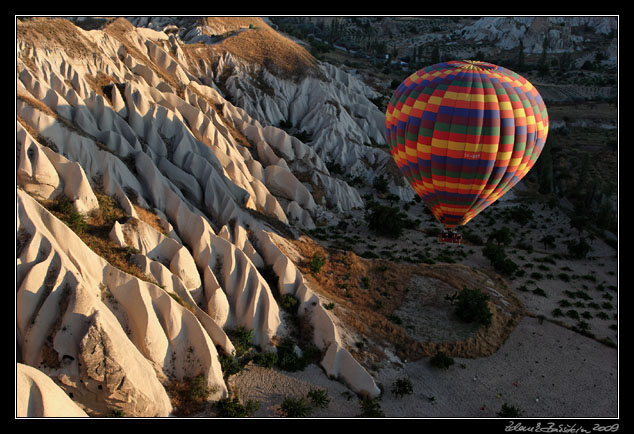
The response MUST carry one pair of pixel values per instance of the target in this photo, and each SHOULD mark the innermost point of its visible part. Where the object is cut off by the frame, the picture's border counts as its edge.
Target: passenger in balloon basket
(450, 236)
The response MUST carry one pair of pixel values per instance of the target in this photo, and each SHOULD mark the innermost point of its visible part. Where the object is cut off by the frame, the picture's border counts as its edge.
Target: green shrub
(241, 338)
(295, 407)
(604, 316)
(472, 306)
(385, 220)
(232, 407)
(402, 386)
(536, 275)
(497, 256)
(395, 319)
(441, 360)
(365, 282)
(289, 303)
(229, 365)
(582, 326)
(548, 241)
(509, 411)
(191, 395)
(473, 238)
(319, 397)
(578, 249)
(564, 303)
(521, 214)
(267, 360)
(380, 184)
(316, 263)
(198, 389)
(287, 358)
(370, 407)
(70, 215)
(564, 277)
(117, 412)
(501, 236)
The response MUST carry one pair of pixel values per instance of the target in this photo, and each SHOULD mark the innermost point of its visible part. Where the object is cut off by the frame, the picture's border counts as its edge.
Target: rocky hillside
(173, 179)
(147, 202)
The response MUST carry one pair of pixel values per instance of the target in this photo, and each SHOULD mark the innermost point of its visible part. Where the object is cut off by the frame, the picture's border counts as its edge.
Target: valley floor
(545, 368)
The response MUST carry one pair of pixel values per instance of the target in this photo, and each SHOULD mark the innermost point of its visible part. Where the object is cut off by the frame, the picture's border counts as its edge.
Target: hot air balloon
(463, 133)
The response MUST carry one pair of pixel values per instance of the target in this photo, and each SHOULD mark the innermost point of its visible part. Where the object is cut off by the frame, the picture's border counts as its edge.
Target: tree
(472, 306)
(520, 58)
(435, 55)
(545, 170)
(441, 360)
(402, 386)
(509, 411)
(385, 220)
(578, 249)
(496, 254)
(565, 61)
(543, 64)
(548, 241)
(380, 184)
(501, 236)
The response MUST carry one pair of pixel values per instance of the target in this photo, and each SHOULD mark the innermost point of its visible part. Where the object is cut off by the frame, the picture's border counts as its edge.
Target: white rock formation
(335, 110)
(38, 396)
(47, 174)
(74, 314)
(337, 362)
(508, 32)
(153, 135)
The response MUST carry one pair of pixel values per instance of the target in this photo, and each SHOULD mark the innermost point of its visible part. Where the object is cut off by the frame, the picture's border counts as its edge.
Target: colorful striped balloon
(463, 133)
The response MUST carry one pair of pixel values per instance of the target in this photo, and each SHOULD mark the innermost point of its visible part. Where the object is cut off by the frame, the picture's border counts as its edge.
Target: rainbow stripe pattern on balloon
(463, 133)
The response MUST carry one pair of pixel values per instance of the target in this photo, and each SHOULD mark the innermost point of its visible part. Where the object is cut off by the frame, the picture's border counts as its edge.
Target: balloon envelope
(463, 133)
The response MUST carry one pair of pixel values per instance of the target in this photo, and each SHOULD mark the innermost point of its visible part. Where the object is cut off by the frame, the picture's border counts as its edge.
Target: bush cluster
(385, 220)
(232, 407)
(441, 360)
(301, 407)
(402, 386)
(316, 263)
(496, 254)
(472, 306)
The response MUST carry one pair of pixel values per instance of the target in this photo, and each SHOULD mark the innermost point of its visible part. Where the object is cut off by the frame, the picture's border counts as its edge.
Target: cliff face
(115, 310)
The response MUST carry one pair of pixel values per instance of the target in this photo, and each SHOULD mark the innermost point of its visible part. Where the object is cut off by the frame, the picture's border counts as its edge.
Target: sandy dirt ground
(544, 368)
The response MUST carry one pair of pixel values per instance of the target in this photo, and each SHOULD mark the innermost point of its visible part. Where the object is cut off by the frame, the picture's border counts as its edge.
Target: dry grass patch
(257, 43)
(150, 218)
(99, 82)
(94, 231)
(189, 396)
(124, 32)
(55, 33)
(366, 295)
